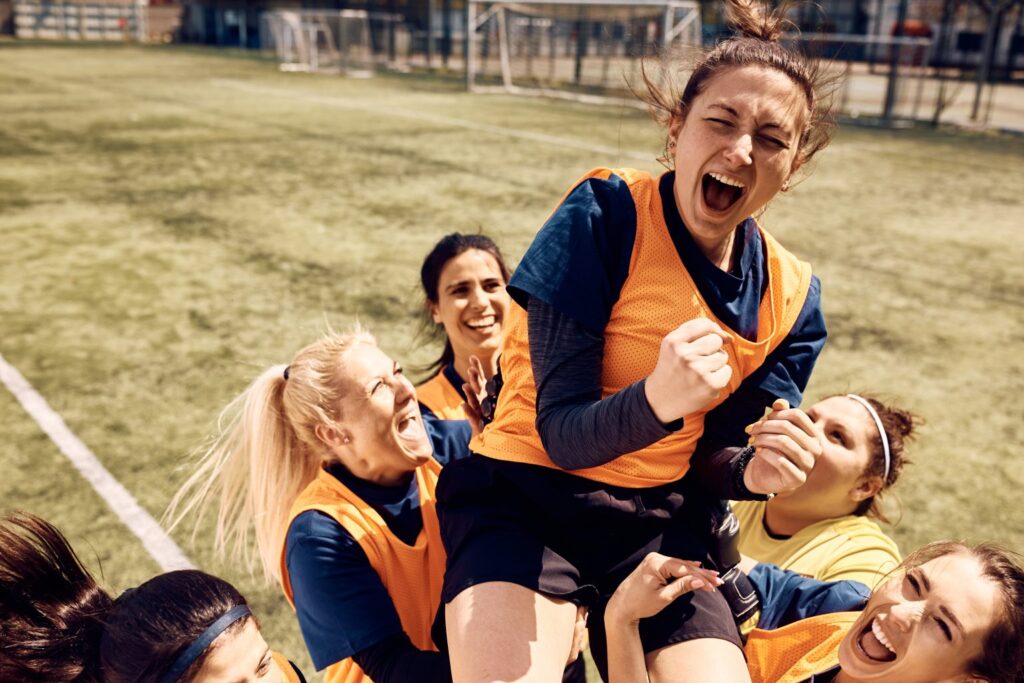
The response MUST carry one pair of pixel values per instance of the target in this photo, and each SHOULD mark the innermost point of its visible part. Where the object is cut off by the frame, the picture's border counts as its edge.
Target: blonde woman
(330, 462)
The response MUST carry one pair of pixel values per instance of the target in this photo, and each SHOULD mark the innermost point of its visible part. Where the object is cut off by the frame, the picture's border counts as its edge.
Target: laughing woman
(331, 462)
(653, 318)
(463, 279)
(951, 613)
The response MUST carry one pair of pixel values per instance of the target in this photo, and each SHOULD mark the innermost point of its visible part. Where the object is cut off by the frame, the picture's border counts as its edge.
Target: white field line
(158, 544)
(500, 131)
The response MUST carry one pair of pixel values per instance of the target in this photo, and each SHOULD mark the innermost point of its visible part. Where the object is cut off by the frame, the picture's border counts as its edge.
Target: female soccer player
(824, 528)
(463, 278)
(653, 319)
(57, 624)
(331, 461)
(951, 612)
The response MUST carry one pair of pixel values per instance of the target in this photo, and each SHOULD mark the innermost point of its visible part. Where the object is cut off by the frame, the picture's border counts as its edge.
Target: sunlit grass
(166, 236)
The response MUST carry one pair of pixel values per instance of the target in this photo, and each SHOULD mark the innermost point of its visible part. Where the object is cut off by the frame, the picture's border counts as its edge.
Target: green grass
(165, 236)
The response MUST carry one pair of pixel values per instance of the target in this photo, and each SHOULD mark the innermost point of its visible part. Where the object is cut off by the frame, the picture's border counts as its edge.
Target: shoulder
(862, 529)
(580, 257)
(313, 531)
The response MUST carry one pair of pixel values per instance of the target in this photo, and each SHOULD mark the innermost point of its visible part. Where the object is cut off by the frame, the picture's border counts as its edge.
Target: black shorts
(574, 539)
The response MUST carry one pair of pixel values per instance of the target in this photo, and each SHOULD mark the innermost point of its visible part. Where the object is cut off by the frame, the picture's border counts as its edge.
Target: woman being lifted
(653, 319)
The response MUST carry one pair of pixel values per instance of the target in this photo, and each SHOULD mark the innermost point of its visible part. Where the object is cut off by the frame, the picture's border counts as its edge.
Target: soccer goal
(575, 49)
(320, 41)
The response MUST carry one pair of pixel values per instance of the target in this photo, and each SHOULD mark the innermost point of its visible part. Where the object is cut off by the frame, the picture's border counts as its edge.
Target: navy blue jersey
(340, 601)
(788, 597)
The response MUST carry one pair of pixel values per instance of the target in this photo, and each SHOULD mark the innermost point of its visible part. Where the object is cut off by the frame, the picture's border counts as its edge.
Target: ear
(866, 488)
(435, 315)
(332, 436)
(798, 162)
(675, 125)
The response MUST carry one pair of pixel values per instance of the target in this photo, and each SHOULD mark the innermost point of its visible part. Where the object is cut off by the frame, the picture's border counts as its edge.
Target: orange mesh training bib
(411, 574)
(288, 674)
(657, 296)
(444, 401)
(796, 652)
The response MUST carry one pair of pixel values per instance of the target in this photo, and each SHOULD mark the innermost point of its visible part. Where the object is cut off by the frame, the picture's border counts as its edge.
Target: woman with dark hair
(652, 319)
(825, 529)
(57, 624)
(952, 612)
(463, 278)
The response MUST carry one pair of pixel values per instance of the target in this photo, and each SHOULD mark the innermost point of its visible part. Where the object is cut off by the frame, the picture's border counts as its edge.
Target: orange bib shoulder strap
(797, 651)
(289, 673)
(444, 401)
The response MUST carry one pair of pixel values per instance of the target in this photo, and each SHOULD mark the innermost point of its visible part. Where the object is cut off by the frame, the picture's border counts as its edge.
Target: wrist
(744, 486)
(615, 614)
(661, 413)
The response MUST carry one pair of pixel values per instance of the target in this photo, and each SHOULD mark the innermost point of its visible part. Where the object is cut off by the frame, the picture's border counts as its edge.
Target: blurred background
(191, 191)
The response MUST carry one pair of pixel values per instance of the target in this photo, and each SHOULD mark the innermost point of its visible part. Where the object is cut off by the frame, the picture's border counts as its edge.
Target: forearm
(626, 662)
(719, 454)
(578, 428)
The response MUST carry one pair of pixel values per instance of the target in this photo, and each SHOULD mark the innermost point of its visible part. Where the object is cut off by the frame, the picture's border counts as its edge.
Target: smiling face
(736, 147)
(239, 656)
(380, 435)
(923, 626)
(838, 483)
(471, 305)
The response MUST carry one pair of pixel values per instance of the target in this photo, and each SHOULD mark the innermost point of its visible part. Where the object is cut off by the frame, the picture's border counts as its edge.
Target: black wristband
(739, 486)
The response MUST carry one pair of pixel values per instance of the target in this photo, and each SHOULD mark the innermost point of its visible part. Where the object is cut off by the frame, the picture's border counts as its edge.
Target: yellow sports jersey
(795, 653)
(658, 295)
(444, 400)
(848, 548)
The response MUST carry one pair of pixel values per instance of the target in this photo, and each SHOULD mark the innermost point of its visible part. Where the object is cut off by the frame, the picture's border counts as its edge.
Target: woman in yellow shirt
(825, 529)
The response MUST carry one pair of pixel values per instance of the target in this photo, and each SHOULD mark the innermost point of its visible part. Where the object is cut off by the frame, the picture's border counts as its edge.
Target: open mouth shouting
(411, 433)
(873, 645)
(721, 192)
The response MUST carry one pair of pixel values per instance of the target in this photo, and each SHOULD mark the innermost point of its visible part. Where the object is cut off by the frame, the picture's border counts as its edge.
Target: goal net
(323, 41)
(882, 78)
(577, 49)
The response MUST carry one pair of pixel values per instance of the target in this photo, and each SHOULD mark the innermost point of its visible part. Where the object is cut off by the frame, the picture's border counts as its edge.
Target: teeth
(726, 181)
(481, 322)
(880, 635)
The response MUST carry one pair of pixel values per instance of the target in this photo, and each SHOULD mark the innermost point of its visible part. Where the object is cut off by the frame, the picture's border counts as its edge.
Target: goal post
(576, 49)
(337, 41)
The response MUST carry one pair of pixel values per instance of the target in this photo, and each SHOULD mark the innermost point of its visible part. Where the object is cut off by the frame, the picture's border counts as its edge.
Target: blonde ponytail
(266, 452)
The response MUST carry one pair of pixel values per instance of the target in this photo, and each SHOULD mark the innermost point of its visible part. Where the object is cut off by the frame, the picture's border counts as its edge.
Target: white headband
(881, 431)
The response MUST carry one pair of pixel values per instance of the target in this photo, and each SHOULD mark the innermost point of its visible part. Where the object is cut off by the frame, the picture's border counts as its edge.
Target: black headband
(199, 645)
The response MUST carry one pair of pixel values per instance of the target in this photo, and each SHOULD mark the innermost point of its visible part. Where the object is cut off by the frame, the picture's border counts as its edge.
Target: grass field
(173, 221)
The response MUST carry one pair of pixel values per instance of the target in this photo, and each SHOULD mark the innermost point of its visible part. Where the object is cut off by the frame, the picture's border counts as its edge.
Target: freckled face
(736, 147)
(923, 626)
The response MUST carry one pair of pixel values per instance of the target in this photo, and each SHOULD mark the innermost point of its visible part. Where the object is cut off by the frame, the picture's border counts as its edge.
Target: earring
(785, 186)
(345, 440)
